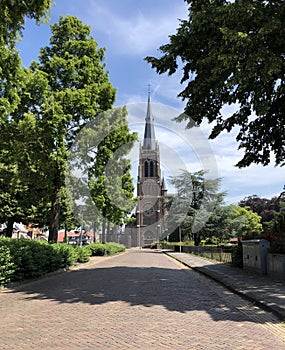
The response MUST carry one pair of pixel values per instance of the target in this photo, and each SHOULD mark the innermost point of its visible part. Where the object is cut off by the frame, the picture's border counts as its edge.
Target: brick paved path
(137, 300)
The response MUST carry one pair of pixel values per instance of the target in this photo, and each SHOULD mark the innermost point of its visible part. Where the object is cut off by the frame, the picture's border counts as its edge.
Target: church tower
(151, 190)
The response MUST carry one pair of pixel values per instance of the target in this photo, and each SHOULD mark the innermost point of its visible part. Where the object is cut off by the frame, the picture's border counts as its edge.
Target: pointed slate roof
(149, 135)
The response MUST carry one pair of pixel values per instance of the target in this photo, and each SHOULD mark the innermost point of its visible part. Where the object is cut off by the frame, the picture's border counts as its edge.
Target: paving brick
(138, 300)
(261, 290)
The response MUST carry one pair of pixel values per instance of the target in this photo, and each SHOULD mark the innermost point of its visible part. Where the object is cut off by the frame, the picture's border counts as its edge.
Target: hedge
(32, 258)
(22, 259)
(100, 249)
(6, 265)
(97, 249)
(82, 254)
(114, 248)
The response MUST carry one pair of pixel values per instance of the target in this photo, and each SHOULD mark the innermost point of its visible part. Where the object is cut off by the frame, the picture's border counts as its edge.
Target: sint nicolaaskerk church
(151, 211)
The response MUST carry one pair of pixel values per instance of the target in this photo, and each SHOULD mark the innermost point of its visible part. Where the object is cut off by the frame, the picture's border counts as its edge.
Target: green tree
(197, 197)
(24, 194)
(245, 223)
(232, 52)
(11, 195)
(67, 218)
(231, 221)
(266, 208)
(67, 88)
(220, 224)
(13, 15)
(14, 194)
(277, 225)
(110, 180)
(276, 233)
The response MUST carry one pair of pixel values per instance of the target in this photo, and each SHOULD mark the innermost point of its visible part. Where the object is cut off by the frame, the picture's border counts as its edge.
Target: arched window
(145, 169)
(151, 169)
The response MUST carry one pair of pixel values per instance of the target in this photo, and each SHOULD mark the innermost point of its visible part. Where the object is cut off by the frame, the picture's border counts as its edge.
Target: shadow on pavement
(178, 290)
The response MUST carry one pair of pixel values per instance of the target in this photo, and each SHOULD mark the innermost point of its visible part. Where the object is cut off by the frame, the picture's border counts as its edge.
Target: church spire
(149, 135)
(163, 186)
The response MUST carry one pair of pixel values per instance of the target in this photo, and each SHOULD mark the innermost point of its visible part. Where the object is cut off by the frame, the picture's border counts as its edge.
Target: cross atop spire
(149, 135)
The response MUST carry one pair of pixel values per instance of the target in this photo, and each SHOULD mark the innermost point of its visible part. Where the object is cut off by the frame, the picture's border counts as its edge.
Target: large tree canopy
(197, 198)
(15, 191)
(12, 20)
(66, 89)
(233, 52)
(13, 14)
(110, 181)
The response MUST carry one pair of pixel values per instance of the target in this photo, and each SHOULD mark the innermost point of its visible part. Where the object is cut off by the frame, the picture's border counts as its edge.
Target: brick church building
(151, 210)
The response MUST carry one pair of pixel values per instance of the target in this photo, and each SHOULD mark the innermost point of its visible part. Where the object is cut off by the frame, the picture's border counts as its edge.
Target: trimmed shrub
(32, 258)
(6, 265)
(97, 249)
(154, 245)
(22, 259)
(114, 248)
(82, 254)
(25, 258)
(100, 249)
(64, 256)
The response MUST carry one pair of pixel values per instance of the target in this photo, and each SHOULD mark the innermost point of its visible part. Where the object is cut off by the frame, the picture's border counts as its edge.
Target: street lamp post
(158, 235)
(158, 228)
(82, 208)
(81, 229)
(139, 223)
(139, 235)
(179, 239)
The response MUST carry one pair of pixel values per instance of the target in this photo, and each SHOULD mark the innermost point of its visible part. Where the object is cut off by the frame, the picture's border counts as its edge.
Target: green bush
(64, 256)
(114, 248)
(154, 245)
(188, 243)
(100, 249)
(32, 258)
(28, 263)
(97, 249)
(22, 259)
(82, 254)
(6, 265)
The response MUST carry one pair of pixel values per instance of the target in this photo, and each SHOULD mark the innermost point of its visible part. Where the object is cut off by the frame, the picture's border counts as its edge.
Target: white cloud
(138, 33)
(132, 30)
(135, 33)
(191, 150)
(179, 148)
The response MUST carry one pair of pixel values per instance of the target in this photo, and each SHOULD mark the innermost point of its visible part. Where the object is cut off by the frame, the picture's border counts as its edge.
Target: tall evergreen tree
(197, 197)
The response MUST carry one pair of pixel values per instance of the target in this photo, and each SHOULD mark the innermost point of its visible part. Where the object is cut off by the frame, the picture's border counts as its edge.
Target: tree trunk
(103, 229)
(197, 239)
(94, 231)
(10, 225)
(55, 211)
(108, 231)
(65, 234)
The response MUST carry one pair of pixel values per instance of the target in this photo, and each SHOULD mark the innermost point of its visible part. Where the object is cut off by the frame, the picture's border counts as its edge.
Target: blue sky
(131, 30)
